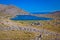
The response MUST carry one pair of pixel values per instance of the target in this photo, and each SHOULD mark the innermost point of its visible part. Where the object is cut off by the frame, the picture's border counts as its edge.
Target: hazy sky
(35, 5)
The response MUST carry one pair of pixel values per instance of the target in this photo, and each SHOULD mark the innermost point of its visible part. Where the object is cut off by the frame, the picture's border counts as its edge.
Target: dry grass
(18, 35)
(49, 25)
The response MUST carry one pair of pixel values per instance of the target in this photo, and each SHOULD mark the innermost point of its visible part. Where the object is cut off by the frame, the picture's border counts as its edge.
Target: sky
(35, 5)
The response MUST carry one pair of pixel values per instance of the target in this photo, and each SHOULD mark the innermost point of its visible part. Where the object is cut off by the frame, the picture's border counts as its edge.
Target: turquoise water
(29, 17)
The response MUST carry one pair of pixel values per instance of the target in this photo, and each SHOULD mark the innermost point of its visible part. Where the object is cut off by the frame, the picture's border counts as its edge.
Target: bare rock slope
(12, 10)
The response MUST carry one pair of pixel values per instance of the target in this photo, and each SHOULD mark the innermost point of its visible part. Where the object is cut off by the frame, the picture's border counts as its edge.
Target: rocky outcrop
(12, 10)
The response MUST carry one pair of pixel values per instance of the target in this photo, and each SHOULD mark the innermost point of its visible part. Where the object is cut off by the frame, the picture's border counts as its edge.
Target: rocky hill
(12, 10)
(55, 14)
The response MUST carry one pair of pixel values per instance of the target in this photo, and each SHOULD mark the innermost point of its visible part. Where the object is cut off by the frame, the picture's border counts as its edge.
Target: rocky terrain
(27, 30)
(55, 14)
(11, 10)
